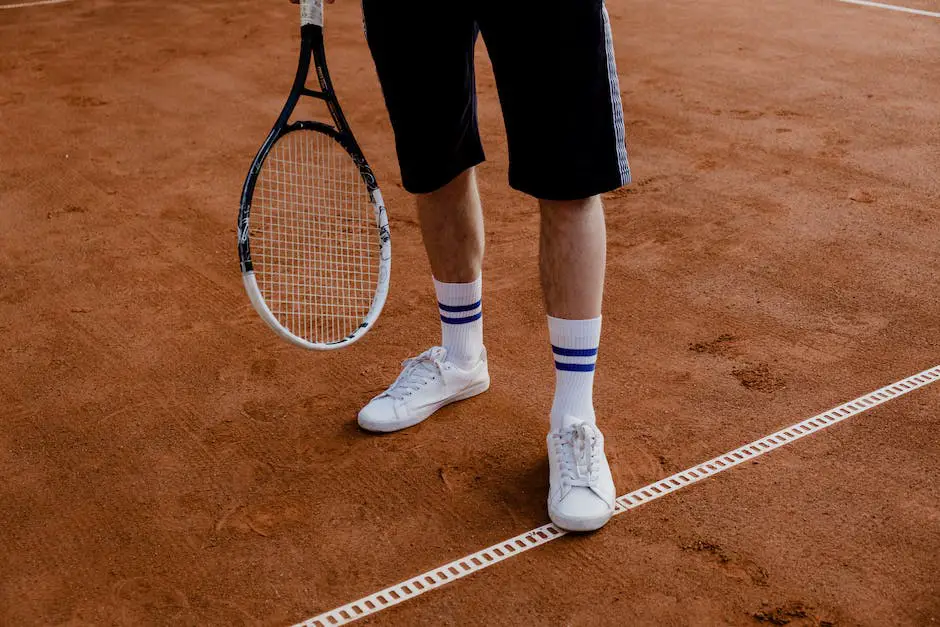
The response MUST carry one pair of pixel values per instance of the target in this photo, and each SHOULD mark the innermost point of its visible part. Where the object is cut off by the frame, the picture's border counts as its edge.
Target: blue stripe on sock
(574, 367)
(459, 308)
(574, 352)
(475, 316)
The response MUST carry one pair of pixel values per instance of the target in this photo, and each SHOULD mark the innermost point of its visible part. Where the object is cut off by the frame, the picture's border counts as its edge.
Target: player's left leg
(572, 257)
(558, 86)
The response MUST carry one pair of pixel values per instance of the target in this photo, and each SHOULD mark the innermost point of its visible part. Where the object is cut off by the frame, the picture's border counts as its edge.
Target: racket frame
(312, 50)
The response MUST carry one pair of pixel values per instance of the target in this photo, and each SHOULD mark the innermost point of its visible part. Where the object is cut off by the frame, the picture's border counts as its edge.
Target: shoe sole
(390, 427)
(579, 524)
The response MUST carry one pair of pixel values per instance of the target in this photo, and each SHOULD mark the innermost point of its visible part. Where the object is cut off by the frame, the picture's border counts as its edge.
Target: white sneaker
(427, 383)
(580, 488)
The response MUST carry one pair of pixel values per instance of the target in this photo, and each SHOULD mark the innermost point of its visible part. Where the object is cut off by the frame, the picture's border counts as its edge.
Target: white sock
(574, 346)
(461, 309)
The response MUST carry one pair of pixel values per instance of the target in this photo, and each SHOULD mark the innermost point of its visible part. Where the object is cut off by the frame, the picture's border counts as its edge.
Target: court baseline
(437, 577)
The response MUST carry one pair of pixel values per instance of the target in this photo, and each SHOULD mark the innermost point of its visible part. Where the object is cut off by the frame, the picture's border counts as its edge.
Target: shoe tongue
(570, 422)
(582, 442)
(438, 353)
(416, 371)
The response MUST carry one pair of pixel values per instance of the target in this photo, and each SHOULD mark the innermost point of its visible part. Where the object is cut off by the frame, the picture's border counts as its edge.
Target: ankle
(460, 306)
(464, 363)
(557, 418)
(574, 349)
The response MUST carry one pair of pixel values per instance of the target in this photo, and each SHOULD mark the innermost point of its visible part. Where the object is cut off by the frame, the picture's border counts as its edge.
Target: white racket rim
(378, 300)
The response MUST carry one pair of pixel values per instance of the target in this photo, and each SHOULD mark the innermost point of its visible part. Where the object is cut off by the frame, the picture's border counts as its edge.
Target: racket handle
(311, 12)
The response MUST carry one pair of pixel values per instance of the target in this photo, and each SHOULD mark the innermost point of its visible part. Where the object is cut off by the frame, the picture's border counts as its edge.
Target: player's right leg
(452, 227)
(423, 53)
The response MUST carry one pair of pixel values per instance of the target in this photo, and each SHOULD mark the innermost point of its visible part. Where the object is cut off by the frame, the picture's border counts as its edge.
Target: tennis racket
(313, 239)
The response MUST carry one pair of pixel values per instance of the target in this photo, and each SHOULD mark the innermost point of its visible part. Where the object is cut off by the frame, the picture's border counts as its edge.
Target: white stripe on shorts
(615, 103)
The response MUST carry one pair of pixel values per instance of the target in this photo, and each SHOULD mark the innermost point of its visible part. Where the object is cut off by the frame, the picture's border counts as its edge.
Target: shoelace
(579, 450)
(418, 372)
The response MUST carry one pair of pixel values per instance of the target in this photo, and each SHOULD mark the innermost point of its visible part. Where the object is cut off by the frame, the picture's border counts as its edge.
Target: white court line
(38, 3)
(464, 566)
(892, 7)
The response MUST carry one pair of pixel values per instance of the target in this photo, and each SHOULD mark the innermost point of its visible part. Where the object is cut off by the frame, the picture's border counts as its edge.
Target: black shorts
(557, 82)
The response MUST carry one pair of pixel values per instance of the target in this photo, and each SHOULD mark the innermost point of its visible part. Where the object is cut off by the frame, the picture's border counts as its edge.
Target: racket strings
(313, 234)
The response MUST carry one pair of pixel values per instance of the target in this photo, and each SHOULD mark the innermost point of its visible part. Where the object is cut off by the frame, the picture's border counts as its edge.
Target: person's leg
(423, 52)
(572, 258)
(452, 228)
(572, 262)
(558, 86)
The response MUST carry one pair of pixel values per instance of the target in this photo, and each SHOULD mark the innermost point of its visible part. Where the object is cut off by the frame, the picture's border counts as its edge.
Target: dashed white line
(425, 582)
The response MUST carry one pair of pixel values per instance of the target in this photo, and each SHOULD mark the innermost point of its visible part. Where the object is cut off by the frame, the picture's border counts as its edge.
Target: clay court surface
(167, 460)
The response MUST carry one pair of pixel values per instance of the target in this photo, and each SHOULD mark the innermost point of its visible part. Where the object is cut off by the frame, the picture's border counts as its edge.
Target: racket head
(313, 237)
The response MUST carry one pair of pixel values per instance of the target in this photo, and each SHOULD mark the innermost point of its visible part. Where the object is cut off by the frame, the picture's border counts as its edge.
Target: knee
(460, 186)
(553, 208)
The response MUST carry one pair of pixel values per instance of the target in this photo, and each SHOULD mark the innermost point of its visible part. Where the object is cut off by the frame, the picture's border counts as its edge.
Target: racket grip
(311, 12)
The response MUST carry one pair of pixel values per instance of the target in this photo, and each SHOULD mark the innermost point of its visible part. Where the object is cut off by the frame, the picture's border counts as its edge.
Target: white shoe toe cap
(379, 415)
(581, 510)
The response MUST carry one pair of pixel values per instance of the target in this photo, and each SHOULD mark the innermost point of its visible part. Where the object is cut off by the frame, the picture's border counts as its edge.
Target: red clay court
(167, 460)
